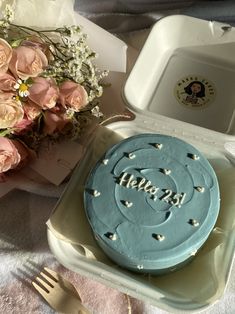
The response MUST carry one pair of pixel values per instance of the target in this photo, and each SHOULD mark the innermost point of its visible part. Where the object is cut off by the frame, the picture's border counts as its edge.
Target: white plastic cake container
(178, 48)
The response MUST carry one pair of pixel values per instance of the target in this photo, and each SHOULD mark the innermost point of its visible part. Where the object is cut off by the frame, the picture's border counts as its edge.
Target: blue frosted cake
(152, 201)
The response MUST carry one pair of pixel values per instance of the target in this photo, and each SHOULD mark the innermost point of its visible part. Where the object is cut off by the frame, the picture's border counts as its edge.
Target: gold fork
(59, 293)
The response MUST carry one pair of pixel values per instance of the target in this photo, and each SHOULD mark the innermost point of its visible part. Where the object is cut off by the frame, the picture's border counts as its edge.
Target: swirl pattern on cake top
(152, 201)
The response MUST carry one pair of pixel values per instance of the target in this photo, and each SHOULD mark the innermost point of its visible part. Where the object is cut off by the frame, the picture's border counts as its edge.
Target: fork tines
(46, 280)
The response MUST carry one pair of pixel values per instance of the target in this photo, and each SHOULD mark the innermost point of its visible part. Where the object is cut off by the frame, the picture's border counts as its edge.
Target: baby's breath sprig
(8, 17)
(69, 58)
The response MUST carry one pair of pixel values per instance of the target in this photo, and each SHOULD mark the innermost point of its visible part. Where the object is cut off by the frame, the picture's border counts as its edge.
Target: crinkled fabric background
(123, 16)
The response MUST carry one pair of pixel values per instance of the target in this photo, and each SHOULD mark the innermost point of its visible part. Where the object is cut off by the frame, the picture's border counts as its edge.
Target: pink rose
(44, 92)
(11, 111)
(5, 55)
(36, 42)
(26, 154)
(32, 110)
(23, 126)
(54, 122)
(73, 95)
(27, 62)
(9, 155)
(13, 154)
(7, 82)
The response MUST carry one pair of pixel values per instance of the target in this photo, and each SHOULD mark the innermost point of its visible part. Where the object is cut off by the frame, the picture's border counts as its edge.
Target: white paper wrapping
(57, 13)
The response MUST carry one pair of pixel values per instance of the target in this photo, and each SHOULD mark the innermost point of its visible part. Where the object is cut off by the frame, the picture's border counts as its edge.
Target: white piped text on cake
(141, 184)
(129, 181)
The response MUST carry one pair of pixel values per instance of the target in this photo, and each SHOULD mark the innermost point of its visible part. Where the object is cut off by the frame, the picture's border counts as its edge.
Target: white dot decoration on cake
(200, 189)
(128, 204)
(166, 171)
(112, 236)
(131, 156)
(194, 222)
(154, 198)
(159, 237)
(158, 195)
(194, 156)
(193, 253)
(105, 161)
(140, 267)
(158, 145)
(96, 193)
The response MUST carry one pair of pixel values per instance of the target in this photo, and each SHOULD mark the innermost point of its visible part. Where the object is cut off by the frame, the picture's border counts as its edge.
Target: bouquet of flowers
(49, 88)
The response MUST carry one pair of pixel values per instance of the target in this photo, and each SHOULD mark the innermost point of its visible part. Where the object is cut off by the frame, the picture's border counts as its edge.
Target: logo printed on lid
(195, 91)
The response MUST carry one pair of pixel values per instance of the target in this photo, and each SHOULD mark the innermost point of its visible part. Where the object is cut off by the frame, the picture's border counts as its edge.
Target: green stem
(34, 30)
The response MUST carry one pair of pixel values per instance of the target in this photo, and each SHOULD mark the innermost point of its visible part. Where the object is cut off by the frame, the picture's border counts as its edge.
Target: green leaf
(16, 43)
(4, 132)
(29, 81)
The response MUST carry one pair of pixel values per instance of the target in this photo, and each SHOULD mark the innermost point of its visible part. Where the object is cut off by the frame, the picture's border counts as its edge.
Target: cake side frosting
(152, 201)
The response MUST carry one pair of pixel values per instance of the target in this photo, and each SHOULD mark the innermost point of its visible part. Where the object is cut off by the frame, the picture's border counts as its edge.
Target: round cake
(152, 200)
